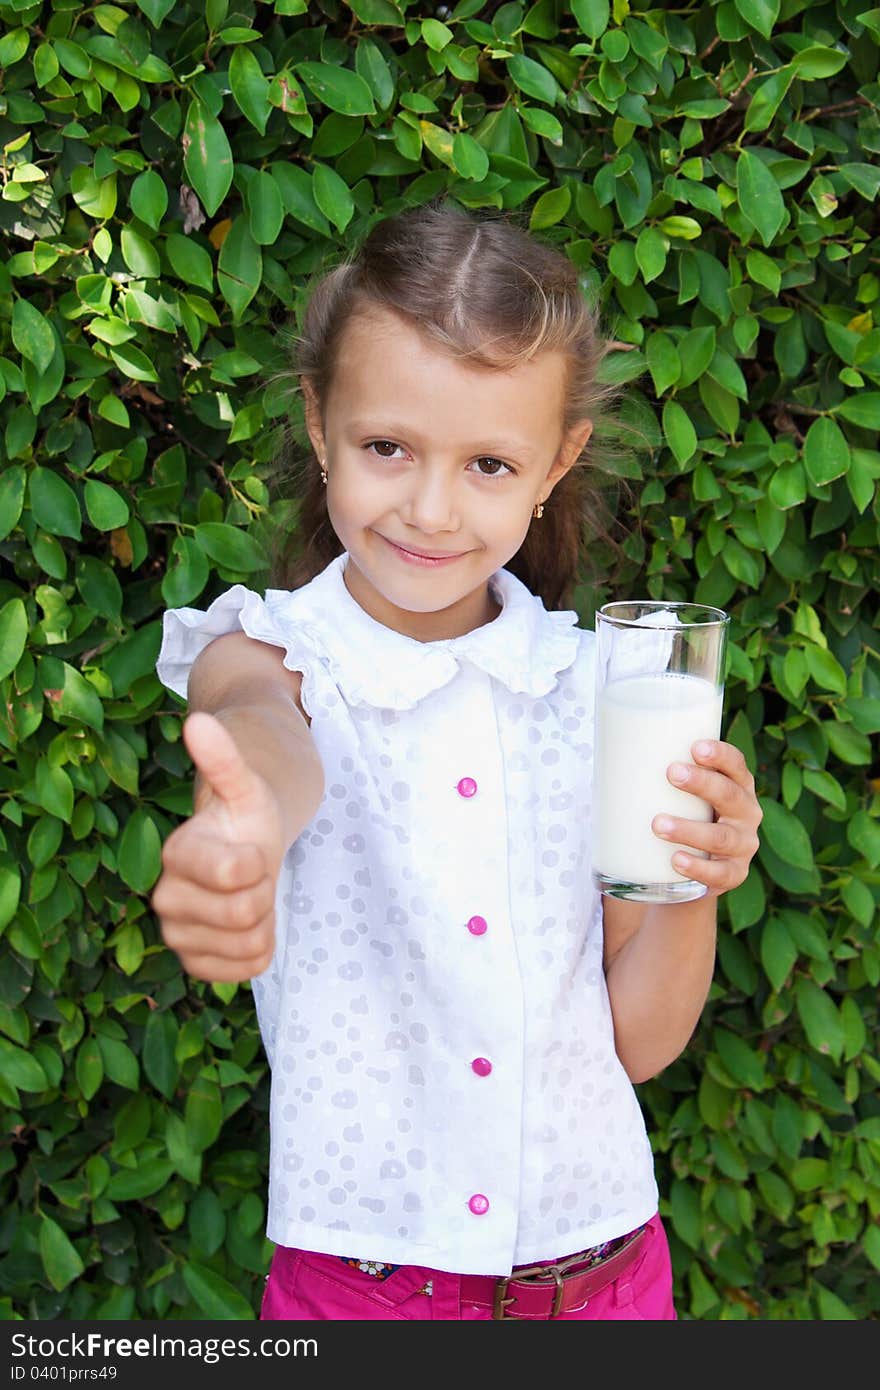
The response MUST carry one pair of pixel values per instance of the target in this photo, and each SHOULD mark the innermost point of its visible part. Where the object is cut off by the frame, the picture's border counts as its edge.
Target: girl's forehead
(383, 361)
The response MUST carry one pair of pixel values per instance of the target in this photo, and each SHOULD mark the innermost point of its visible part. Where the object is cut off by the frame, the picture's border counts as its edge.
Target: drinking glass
(659, 688)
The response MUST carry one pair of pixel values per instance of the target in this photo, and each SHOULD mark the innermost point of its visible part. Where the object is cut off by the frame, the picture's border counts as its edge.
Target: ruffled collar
(524, 647)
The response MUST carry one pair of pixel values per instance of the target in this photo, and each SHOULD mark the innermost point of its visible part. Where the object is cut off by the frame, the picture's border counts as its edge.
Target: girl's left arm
(659, 959)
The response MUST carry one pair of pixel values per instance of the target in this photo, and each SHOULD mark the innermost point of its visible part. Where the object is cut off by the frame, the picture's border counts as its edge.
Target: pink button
(479, 1204)
(481, 1065)
(467, 786)
(477, 925)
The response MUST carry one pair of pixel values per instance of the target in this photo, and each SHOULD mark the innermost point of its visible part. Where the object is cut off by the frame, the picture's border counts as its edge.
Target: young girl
(391, 834)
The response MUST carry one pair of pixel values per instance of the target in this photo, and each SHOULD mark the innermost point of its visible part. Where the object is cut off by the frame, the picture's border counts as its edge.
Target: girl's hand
(722, 778)
(216, 896)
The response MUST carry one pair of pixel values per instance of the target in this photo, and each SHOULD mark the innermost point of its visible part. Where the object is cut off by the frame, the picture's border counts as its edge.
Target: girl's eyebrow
(496, 445)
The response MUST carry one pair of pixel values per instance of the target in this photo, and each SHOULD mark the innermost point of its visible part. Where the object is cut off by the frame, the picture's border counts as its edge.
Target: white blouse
(445, 1089)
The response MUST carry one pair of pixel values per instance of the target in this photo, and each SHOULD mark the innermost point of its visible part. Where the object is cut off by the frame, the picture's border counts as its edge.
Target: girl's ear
(569, 452)
(313, 417)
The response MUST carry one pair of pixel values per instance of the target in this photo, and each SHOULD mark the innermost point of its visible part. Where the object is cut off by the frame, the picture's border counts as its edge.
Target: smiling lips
(421, 557)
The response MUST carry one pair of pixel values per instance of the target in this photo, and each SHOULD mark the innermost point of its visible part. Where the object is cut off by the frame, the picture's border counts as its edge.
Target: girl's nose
(432, 504)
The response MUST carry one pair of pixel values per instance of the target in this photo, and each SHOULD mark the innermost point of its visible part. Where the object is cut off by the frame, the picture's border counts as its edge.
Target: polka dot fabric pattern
(445, 1089)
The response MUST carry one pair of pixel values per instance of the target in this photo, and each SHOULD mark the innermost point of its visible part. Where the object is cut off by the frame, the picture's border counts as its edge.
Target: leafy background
(172, 175)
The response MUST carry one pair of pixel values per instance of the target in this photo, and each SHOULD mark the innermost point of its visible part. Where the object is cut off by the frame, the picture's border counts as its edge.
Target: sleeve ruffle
(186, 631)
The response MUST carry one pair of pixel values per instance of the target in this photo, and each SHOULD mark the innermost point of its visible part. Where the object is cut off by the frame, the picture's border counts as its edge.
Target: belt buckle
(501, 1302)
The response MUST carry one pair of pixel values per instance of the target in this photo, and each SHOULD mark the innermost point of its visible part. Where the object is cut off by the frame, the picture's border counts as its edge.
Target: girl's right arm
(259, 781)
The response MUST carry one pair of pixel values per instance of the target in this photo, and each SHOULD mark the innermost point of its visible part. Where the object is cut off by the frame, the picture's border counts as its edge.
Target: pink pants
(304, 1285)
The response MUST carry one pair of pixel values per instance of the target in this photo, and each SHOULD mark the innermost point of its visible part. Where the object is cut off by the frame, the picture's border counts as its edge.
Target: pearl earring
(539, 510)
(323, 472)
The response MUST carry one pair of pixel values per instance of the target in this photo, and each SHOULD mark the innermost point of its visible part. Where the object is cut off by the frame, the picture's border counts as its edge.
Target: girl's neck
(472, 611)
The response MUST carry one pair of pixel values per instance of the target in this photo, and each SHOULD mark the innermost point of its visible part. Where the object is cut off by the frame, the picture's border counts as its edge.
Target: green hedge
(173, 174)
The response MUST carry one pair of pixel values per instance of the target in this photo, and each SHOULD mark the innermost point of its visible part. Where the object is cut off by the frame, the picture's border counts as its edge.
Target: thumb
(216, 755)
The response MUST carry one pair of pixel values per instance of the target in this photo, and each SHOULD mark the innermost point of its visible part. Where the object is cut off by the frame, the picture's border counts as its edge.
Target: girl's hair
(482, 289)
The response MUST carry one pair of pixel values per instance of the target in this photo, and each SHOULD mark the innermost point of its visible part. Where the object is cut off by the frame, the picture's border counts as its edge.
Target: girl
(391, 834)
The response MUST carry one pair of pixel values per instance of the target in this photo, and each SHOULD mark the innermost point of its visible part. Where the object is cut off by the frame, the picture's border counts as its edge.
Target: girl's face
(429, 454)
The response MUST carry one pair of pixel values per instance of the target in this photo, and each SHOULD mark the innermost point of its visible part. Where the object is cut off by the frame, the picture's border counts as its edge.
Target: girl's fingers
(192, 941)
(185, 904)
(719, 837)
(208, 861)
(724, 757)
(222, 972)
(719, 875)
(722, 793)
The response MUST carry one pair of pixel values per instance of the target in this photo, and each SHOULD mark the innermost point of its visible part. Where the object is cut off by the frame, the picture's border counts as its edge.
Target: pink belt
(546, 1291)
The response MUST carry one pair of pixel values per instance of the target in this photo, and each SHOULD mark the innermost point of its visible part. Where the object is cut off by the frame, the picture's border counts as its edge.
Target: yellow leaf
(219, 232)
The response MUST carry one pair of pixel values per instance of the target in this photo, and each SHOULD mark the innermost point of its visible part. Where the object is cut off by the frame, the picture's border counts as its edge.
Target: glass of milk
(659, 688)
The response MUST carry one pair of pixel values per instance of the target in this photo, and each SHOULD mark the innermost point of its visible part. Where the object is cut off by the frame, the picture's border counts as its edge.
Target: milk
(644, 723)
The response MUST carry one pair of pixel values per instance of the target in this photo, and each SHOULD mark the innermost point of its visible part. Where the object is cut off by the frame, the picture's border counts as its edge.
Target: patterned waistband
(378, 1269)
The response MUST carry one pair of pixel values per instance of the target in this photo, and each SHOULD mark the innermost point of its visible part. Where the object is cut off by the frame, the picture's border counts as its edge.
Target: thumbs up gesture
(215, 898)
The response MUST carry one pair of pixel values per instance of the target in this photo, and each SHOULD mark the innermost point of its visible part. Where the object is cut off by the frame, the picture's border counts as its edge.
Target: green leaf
(470, 158)
(679, 432)
(652, 247)
(664, 363)
(207, 156)
(744, 1065)
(89, 1068)
(847, 743)
(864, 178)
(687, 1219)
(207, 1221)
(766, 98)
(533, 79)
(190, 262)
(139, 854)
(863, 833)
(338, 88)
(696, 348)
(187, 1160)
(160, 1063)
(21, 1068)
(436, 34)
(786, 835)
(818, 1013)
(265, 207)
(818, 61)
(96, 197)
(832, 1307)
(825, 669)
(250, 87)
(105, 507)
(826, 451)
(204, 1113)
(120, 1063)
(240, 267)
(759, 197)
(862, 410)
(778, 952)
(133, 363)
(54, 504)
(764, 271)
(73, 696)
(760, 14)
(550, 208)
(230, 547)
(216, 1297)
(149, 198)
(777, 1194)
(32, 334)
(332, 195)
(592, 16)
(133, 1184)
(13, 635)
(60, 1257)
